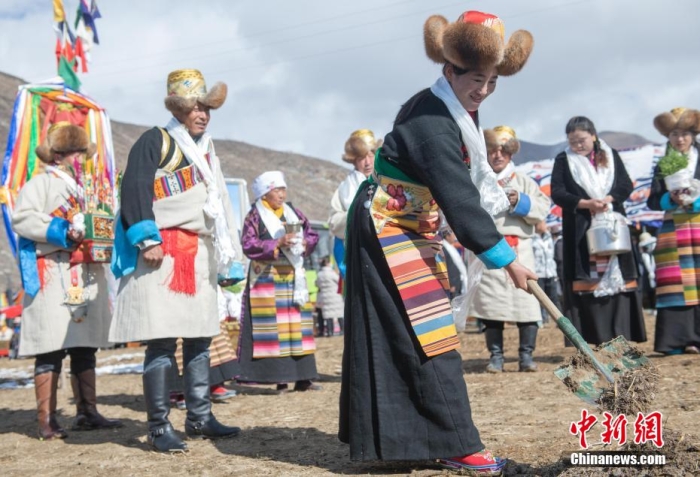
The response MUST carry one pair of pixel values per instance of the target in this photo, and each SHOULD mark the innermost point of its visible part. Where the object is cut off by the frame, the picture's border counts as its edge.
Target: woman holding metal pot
(276, 343)
(590, 184)
(677, 279)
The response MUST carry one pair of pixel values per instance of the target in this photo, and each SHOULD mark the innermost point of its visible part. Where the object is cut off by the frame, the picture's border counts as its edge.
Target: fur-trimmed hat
(476, 41)
(64, 138)
(678, 118)
(503, 137)
(186, 88)
(359, 144)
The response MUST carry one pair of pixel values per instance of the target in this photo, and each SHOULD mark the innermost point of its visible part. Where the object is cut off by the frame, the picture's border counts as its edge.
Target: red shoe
(480, 463)
(220, 393)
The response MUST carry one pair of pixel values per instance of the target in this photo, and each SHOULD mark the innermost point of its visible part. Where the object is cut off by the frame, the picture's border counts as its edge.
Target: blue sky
(303, 74)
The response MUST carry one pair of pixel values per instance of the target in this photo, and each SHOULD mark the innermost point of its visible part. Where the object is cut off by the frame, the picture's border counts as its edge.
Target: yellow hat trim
(186, 83)
(677, 112)
(504, 134)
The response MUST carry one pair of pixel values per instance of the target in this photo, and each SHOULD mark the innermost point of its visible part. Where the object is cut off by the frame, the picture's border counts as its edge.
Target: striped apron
(279, 327)
(677, 256)
(406, 219)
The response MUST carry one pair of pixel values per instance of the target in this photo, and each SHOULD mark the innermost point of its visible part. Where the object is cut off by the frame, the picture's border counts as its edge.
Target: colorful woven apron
(406, 219)
(279, 327)
(677, 256)
(597, 266)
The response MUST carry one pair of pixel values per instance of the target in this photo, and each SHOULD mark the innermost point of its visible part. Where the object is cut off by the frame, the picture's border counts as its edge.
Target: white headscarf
(266, 182)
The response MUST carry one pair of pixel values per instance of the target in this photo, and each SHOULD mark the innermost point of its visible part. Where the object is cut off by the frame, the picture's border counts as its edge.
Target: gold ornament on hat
(503, 138)
(360, 143)
(186, 84)
(186, 88)
(504, 133)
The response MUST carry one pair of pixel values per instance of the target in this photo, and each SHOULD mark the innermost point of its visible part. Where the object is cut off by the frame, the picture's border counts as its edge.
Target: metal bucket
(609, 239)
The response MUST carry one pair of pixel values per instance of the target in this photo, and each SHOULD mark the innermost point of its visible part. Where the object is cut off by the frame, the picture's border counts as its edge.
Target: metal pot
(293, 228)
(610, 237)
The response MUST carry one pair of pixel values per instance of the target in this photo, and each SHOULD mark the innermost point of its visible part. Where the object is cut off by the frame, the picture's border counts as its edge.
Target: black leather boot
(200, 422)
(528, 339)
(87, 417)
(494, 343)
(161, 435)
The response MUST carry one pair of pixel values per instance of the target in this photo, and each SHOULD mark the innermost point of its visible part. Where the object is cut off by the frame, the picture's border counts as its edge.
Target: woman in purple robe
(276, 344)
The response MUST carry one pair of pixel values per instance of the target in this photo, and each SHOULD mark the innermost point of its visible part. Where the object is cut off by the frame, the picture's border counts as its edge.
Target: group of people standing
(176, 243)
(403, 396)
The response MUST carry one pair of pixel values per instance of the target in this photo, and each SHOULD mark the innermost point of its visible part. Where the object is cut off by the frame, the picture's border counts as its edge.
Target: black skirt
(395, 403)
(269, 370)
(604, 318)
(676, 328)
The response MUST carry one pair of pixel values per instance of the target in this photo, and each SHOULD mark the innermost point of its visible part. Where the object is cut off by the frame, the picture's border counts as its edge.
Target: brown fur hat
(503, 137)
(186, 88)
(63, 139)
(359, 144)
(678, 118)
(476, 41)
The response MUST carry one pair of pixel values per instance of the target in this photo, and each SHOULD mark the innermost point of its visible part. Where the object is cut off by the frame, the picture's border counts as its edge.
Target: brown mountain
(312, 181)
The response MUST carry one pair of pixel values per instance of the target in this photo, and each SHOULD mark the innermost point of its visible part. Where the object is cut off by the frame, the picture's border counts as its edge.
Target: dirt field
(522, 416)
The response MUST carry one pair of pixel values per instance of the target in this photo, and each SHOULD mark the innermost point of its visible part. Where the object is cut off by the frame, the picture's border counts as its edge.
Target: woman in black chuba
(403, 396)
(588, 179)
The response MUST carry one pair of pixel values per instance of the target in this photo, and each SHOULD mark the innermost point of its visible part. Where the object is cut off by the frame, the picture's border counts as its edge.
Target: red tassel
(41, 270)
(182, 246)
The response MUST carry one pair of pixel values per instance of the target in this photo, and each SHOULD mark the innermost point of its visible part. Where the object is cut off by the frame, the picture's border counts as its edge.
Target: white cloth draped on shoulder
(294, 254)
(214, 207)
(493, 200)
(597, 182)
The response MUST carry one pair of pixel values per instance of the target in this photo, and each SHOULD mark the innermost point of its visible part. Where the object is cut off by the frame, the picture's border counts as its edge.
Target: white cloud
(302, 75)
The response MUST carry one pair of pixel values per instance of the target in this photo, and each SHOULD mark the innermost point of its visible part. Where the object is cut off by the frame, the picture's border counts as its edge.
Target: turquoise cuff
(522, 208)
(144, 230)
(57, 233)
(498, 256)
(667, 204)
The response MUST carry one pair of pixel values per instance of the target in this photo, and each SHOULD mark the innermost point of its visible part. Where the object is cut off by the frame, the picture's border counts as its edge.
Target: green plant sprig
(672, 162)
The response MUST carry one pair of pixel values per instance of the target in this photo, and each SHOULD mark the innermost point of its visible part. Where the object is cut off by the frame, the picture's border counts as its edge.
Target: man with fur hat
(677, 285)
(359, 151)
(66, 302)
(175, 235)
(403, 396)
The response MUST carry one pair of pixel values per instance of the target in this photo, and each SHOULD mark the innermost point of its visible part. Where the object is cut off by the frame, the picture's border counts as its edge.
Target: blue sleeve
(522, 208)
(498, 256)
(143, 230)
(667, 204)
(57, 233)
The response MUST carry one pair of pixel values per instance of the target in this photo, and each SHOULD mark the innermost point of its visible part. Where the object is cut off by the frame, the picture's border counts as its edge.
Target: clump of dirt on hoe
(633, 391)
